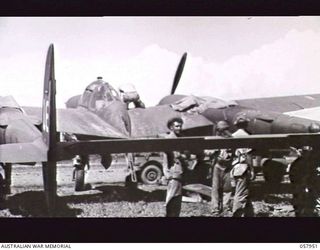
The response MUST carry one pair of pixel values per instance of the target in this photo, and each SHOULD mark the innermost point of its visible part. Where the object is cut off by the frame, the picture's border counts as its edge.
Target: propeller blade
(178, 73)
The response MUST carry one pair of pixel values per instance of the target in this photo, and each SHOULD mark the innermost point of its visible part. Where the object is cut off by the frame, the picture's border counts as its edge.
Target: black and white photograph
(135, 117)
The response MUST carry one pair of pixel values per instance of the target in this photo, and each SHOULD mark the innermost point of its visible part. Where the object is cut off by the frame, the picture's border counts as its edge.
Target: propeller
(178, 73)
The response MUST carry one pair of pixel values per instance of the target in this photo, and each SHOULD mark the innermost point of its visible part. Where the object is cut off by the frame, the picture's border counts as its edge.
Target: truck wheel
(273, 172)
(151, 173)
(79, 182)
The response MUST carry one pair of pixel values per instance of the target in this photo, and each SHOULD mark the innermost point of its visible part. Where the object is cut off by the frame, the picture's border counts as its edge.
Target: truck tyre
(151, 173)
(79, 180)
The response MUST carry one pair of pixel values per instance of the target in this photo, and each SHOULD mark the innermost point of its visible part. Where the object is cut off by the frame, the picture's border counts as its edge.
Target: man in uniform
(173, 168)
(221, 183)
(242, 172)
(304, 175)
(129, 94)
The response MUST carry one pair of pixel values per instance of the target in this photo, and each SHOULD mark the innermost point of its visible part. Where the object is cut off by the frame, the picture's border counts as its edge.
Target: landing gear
(79, 163)
(79, 179)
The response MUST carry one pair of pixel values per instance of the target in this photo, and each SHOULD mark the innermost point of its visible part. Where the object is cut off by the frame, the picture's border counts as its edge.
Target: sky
(228, 57)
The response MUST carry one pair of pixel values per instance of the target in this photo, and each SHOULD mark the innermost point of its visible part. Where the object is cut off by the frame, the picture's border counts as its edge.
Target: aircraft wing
(152, 121)
(66, 150)
(282, 104)
(81, 122)
(24, 152)
(310, 113)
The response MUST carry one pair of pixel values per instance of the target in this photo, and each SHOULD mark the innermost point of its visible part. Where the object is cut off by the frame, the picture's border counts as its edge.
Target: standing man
(242, 173)
(221, 182)
(304, 175)
(173, 168)
(129, 94)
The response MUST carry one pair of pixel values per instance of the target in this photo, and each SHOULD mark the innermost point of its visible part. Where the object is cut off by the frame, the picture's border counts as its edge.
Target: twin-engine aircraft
(25, 140)
(99, 113)
(275, 115)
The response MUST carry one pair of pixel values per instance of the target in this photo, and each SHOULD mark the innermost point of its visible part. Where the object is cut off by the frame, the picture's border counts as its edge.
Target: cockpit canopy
(98, 94)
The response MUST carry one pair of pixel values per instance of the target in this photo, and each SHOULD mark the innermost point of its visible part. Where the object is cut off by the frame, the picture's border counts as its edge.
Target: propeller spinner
(178, 73)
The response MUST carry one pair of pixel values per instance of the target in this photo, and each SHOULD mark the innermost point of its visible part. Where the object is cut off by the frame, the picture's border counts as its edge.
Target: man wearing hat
(221, 183)
(173, 168)
(242, 172)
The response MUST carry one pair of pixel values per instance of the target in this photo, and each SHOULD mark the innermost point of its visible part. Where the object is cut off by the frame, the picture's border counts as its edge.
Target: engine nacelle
(290, 124)
(16, 132)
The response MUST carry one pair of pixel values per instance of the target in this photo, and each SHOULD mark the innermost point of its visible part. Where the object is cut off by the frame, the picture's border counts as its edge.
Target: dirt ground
(109, 197)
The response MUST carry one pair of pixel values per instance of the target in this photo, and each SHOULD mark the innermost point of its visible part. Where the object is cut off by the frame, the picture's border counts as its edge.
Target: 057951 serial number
(312, 246)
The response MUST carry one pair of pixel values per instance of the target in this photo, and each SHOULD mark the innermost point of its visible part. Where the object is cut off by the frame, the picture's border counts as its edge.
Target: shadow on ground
(272, 193)
(116, 194)
(272, 200)
(32, 204)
